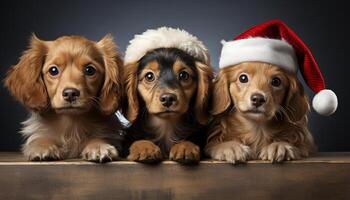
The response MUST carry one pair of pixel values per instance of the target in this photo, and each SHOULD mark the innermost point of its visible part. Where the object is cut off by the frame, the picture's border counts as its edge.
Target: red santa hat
(274, 42)
(165, 37)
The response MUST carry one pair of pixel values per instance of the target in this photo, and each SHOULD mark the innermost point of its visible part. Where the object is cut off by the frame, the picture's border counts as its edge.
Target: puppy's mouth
(256, 114)
(69, 109)
(166, 113)
(254, 111)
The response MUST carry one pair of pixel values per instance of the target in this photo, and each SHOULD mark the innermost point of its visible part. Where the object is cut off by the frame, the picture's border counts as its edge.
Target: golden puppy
(260, 113)
(167, 93)
(72, 86)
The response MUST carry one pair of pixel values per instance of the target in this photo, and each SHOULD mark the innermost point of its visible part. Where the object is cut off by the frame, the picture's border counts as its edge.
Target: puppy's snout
(70, 94)
(167, 99)
(257, 99)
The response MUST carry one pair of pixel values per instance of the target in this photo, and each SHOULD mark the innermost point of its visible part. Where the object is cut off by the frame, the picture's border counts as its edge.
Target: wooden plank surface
(325, 176)
(16, 158)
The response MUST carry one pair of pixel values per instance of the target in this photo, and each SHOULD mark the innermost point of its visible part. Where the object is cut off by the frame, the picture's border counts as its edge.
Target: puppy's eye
(243, 78)
(89, 70)
(276, 82)
(184, 76)
(149, 76)
(53, 70)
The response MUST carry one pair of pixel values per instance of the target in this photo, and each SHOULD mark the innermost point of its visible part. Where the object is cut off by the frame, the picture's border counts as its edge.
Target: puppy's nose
(70, 94)
(257, 99)
(167, 99)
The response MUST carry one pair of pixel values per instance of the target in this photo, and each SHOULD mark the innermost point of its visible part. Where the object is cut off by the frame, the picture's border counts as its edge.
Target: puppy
(260, 113)
(167, 94)
(72, 86)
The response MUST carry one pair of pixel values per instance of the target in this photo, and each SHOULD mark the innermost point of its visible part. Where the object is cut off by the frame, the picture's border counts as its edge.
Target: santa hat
(165, 37)
(274, 42)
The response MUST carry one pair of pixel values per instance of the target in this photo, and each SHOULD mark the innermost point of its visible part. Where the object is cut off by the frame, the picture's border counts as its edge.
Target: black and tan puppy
(167, 93)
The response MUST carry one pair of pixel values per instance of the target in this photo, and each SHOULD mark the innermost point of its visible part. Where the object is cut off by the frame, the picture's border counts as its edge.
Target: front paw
(278, 152)
(99, 151)
(144, 151)
(230, 151)
(185, 152)
(38, 151)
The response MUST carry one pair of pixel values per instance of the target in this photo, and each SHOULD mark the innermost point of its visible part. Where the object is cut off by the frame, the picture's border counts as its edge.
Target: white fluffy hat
(165, 37)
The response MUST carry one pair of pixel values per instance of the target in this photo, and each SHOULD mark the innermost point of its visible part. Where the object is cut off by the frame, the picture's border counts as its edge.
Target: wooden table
(324, 176)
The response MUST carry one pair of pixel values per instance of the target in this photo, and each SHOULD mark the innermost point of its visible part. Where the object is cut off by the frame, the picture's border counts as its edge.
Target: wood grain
(16, 158)
(325, 176)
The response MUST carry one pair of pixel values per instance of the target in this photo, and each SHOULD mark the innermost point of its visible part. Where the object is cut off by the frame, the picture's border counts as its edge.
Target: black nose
(257, 99)
(70, 94)
(167, 99)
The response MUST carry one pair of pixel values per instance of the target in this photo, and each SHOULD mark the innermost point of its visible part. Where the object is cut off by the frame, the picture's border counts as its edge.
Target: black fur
(166, 58)
(188, 129)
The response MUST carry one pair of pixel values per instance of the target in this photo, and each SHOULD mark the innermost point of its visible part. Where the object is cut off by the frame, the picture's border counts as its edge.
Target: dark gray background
(322, 26)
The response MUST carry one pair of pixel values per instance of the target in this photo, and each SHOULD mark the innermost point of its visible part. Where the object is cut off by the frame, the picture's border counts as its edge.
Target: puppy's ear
(205, 76)
(24, 80)
(296, 102)
(131, 106)
(221, 98)
(110, 95)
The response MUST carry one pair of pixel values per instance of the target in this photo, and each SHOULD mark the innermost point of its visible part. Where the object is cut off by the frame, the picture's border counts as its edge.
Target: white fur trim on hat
(273, 51)
(165, 37)
(325, 102)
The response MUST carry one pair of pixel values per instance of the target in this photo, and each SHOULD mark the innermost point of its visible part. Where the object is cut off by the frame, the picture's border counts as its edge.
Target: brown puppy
(167, 93)
(72, 86)
(260, 113)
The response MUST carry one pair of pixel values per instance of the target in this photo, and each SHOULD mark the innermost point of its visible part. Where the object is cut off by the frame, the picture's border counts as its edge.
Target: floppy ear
(221, 98)
(24, 81)
(296, 103)
(131, 107)
(205, 76)
(110, 95)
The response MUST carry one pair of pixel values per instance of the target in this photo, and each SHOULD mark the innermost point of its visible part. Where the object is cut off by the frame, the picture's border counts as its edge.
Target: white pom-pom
(325, 102)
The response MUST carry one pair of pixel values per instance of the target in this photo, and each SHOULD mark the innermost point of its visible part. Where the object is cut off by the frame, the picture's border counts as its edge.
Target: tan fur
(278, 133)
(205, 76)
(144, 150)
(56, 128)
(185, 150)
(131, 110)
(24, 80)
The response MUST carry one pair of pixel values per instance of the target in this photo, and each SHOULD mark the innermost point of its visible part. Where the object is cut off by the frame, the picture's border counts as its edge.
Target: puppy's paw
(46, 151)
(144, 151)
(185, 152)
(279, 152)
(234, 152)
(99, 151)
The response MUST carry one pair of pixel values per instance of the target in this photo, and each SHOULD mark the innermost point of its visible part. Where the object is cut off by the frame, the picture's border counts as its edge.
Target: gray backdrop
(322, 26)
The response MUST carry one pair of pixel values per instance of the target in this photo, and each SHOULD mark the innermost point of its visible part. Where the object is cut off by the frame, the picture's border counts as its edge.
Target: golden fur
(156, 132)
(275, 131)
(57, 128)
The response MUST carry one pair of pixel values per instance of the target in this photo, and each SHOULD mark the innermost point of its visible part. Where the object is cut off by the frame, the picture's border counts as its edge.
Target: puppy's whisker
(285, 113)
(288, 118)
(291, 110)
(143, 113)
(95, 101)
